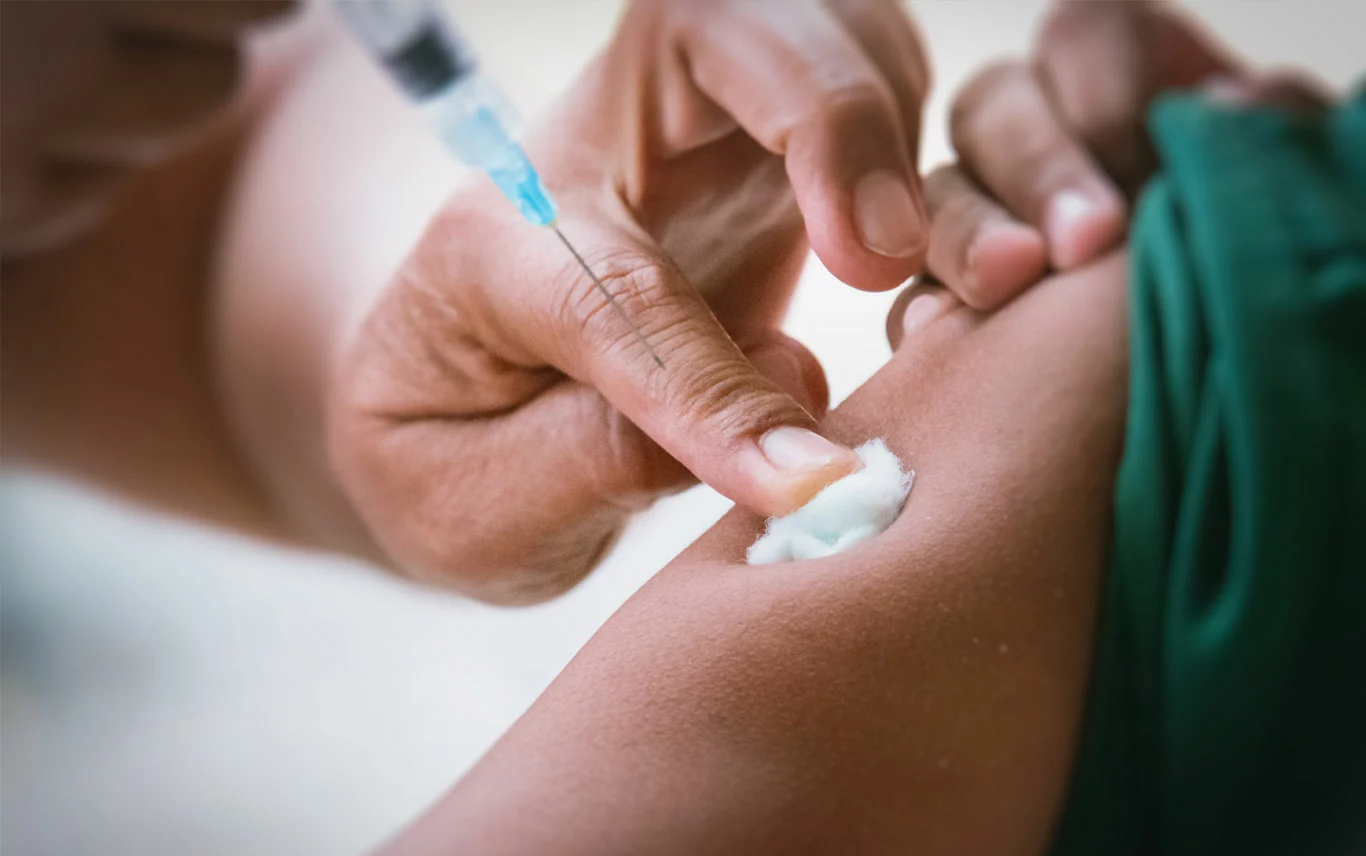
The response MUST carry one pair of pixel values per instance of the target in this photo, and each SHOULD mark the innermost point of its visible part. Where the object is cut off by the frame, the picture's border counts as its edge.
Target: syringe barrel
(414, 39)
(421, 48)
(480, 126)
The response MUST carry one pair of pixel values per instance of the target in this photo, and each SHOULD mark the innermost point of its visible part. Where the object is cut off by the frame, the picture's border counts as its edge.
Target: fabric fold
(1228, 689)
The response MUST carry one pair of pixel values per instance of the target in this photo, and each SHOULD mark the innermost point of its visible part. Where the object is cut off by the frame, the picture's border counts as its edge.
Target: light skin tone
(887, 699)
(106, 371)
(488, 380)
(890, 697)
(479, 421)
(542, 363)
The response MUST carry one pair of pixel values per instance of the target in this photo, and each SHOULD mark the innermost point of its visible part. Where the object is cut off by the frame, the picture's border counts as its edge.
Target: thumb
(796, 371)
(1103, 63)
(702, 401)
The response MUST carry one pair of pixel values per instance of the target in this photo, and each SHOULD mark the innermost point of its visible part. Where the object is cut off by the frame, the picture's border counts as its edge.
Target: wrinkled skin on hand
(494, 421)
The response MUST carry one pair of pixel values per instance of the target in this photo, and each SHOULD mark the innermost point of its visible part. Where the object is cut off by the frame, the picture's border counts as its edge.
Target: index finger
(1010, 141)
(637, 331)
(796, 79)
(1103, 63)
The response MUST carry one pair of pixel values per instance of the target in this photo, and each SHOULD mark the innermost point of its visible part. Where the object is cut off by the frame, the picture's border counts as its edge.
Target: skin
(675, 134)
(106, 374)
(889, 697)
(1053, 151)
(882, 700)
(543, 354)
(489, 360)
(405, 418)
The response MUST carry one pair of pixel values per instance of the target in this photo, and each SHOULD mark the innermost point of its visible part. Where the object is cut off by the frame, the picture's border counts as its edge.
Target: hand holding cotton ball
(853, 509)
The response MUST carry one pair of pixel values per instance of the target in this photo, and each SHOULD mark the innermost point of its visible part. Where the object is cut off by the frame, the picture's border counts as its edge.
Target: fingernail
(1065, 211)
(799, 450)
(1001, 260)
(808, 463)
(1078, 227)
(921, 309)
(1227, 89)
(887, 217)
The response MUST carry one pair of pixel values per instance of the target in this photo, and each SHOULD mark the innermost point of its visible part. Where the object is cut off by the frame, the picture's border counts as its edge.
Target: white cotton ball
(853, 509)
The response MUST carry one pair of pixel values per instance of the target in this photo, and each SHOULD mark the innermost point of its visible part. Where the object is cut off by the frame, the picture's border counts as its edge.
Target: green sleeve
(1227, 709)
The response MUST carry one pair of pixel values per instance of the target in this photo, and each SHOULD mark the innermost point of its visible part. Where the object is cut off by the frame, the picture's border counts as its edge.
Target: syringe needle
(607, 294)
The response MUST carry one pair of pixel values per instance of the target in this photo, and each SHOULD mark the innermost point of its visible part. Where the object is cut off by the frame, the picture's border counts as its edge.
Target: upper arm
(336, 184)
(923, 690)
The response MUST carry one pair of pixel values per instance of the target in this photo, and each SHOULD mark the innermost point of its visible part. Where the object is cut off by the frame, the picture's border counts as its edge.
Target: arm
(922, 691)
(110, 225)
(459, 401)
(337, 182)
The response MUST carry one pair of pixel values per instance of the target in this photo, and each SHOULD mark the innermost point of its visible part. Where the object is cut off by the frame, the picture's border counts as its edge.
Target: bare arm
(106, 260)
(338, 180)
(921, 691)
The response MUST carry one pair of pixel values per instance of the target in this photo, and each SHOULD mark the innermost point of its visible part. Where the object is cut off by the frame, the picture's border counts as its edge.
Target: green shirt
(1227, 710)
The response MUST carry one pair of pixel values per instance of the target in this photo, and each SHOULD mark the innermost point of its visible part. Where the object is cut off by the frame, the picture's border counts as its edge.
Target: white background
(172, 689)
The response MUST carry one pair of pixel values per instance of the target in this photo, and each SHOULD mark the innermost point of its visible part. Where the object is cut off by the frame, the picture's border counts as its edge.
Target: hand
(494, 420)
(1052, 151)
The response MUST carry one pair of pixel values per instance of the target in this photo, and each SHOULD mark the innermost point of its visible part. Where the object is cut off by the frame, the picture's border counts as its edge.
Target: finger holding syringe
(713, 411)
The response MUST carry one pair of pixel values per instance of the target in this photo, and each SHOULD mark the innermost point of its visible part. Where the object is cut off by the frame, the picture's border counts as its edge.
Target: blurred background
(169, 688)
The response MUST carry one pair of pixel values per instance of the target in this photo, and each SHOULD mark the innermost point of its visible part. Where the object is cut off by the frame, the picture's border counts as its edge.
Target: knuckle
(728, 399)
(1048, 165)
(982, 91)
(942, 186)
(948, 257)
(638, 286)
(889, 23)
(958, 213)
(503, 561)
(994, 107)
(724, 394)
(1108, 124)
(1075, 27)
(625, 469)
(1101, 103)
(847, 108)
(1100, 109)
(639, 469)
(1064, 23)
(854, 103)
(949, 196)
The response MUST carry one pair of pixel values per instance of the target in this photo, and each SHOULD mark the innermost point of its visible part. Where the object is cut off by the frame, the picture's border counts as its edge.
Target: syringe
(416, 41)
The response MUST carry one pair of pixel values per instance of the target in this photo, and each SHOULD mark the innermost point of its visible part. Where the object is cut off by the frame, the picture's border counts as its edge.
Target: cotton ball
(853, 509)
